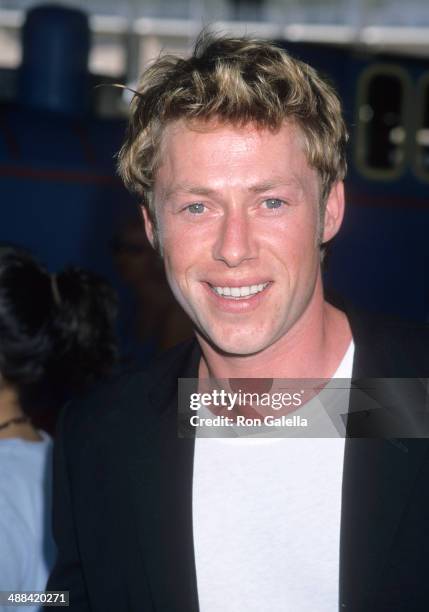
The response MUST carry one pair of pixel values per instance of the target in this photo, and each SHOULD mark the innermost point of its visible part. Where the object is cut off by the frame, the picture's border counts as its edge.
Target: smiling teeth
(239, 292)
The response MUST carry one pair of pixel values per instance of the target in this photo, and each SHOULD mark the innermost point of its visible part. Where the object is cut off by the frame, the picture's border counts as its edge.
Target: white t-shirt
(26, 544)
(266, 519)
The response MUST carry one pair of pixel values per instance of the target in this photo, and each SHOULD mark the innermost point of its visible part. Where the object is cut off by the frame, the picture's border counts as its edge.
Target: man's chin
(242, 347)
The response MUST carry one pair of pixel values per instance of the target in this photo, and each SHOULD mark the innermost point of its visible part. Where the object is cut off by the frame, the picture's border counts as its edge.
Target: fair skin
(237, 210)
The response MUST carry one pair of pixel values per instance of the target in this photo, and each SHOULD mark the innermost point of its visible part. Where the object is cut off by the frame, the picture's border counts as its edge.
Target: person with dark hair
(55, 329)
(155, 322)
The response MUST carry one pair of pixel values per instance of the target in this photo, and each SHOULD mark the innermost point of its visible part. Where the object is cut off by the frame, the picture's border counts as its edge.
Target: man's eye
(196, 209)
(273, 203)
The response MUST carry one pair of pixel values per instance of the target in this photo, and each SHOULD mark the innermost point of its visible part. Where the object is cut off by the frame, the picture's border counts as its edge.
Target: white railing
(123, 47)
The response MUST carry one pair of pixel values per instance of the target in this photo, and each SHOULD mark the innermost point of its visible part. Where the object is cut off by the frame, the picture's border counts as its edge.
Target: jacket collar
(160, 471)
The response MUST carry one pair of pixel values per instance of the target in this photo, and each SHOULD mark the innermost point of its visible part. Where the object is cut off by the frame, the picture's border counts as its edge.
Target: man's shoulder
(399, 347)
(392, 330)
(127, 396)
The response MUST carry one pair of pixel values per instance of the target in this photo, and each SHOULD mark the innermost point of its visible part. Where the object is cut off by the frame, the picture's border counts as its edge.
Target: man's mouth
(239, 293)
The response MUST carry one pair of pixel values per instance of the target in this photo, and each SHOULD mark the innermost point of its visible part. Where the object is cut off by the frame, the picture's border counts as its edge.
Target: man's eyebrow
(187, 188)
(260, 187)
(273, 184)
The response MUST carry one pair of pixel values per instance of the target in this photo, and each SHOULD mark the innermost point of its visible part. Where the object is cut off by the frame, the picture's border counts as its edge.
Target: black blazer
(123, 491)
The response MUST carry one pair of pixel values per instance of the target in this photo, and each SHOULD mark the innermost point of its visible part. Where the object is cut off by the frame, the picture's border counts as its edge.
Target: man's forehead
(220, 142)
(210, 145)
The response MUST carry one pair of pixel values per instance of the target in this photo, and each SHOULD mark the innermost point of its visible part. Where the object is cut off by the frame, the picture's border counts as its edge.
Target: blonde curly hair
(238, 81)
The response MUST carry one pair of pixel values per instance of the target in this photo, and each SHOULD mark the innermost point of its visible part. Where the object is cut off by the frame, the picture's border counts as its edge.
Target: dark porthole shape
(382, 118)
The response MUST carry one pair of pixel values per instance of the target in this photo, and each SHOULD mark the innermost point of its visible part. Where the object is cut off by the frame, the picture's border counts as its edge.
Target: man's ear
(148, 226)
(334, 212)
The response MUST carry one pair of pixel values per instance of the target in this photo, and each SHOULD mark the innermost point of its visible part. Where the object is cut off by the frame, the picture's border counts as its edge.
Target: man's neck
(312, 348)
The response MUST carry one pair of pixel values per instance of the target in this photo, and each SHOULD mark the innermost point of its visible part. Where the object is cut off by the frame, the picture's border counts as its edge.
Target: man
(238, 156)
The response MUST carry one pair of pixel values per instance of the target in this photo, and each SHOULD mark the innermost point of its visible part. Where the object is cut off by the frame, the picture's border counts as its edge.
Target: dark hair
(59, 326)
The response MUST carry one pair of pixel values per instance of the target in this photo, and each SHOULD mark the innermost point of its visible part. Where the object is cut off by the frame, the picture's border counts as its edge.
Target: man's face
(237, 212)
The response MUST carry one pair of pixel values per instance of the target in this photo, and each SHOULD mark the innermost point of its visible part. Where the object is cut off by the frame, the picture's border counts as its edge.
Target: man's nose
(235, 242)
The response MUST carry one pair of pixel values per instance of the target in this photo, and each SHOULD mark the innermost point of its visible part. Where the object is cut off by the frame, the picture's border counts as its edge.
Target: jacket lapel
(162, 471)
(377, 478)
